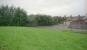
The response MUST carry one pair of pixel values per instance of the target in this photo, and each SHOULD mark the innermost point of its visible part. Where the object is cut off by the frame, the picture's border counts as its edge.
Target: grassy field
(28, 38)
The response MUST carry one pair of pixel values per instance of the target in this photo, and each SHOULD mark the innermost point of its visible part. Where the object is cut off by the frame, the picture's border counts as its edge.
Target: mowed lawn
(28, 38)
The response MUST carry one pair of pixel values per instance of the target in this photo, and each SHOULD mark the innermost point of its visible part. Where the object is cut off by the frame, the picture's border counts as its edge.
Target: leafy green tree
(20, 18)
(12, 16)
(44, 19)
(31, 20)
(6, 14)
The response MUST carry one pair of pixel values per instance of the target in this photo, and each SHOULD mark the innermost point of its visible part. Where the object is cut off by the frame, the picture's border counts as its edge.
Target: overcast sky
(50, 7)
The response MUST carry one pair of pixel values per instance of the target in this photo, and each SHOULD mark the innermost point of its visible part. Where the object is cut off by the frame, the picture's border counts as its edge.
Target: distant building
(78, 22)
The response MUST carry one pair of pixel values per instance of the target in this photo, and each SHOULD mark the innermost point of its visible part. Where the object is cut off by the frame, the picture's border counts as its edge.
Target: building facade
(78, 23)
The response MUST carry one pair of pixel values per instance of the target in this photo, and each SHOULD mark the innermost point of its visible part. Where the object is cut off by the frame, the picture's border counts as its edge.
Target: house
(78, 22)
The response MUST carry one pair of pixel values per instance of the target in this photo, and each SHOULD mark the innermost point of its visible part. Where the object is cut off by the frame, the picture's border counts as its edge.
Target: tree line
(15, 16)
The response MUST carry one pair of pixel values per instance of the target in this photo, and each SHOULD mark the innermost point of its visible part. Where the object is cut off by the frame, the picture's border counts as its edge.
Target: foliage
(44, 20)
(12, 16)
(20, 18)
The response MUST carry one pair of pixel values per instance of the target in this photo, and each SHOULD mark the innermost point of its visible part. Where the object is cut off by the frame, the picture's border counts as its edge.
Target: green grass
(28, 38)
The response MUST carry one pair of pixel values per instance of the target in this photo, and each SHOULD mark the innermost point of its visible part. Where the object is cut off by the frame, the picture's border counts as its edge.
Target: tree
(12, 16)
(44, 19)
(20, 18)
(6, 14)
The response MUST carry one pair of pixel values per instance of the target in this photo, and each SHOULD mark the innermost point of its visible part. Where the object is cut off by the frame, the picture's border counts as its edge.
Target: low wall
(78, 26)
